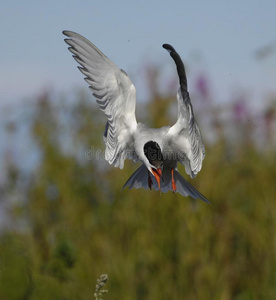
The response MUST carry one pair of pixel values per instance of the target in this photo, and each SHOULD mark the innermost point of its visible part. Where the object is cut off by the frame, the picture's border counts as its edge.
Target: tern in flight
(159, 149)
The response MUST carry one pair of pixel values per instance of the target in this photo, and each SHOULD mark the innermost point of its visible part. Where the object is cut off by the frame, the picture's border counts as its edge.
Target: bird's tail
(139, 179)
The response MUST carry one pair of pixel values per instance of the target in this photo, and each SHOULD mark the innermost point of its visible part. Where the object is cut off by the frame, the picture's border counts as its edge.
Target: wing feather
(114, 93)
(186, 139)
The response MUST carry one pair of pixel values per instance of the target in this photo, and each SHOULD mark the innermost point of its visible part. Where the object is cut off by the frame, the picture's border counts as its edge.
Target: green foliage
(15, 267)
(81, 224)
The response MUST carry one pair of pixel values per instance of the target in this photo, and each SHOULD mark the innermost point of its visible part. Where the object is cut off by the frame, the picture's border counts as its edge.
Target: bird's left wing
(115, 94)
(185, 135)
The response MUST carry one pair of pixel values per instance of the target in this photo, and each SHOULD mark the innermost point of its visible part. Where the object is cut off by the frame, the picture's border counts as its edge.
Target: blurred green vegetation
(77, 223)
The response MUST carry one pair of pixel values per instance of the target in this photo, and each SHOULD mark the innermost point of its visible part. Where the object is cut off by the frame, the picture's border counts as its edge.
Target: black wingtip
(168, 47)
(179, 66)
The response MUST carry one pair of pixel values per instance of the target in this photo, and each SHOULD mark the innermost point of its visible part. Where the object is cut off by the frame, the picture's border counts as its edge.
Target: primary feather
(186, 136)
(115, 94)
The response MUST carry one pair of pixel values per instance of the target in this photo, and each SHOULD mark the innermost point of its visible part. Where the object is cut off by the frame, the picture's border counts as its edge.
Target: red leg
(173, 182)
(149, 180)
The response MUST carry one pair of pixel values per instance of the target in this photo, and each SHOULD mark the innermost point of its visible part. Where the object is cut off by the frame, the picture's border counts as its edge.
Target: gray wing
(185, 136)
(115, 94)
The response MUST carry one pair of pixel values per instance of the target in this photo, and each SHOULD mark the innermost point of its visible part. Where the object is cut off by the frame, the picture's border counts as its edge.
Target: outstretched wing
(115, 94)
(185, 134)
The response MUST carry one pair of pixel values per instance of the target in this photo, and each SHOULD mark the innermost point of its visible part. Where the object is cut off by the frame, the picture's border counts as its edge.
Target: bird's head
(153, 153)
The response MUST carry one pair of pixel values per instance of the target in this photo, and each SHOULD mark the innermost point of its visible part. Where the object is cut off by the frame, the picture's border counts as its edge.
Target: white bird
(159, 149)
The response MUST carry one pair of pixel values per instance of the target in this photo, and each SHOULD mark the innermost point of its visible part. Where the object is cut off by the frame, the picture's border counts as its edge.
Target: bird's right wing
(115, 94)
(185, 135)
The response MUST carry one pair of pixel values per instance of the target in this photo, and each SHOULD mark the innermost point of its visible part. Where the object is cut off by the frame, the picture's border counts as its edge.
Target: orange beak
(157, 173)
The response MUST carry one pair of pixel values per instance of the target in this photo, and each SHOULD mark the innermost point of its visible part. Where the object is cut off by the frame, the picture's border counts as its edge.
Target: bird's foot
(173, 181)
(149, 181)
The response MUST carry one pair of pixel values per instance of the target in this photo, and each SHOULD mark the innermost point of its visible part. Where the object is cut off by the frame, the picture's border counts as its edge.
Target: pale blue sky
(227, 33)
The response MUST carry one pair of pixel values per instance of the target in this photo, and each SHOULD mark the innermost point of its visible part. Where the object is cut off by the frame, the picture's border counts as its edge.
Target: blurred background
(64, 219)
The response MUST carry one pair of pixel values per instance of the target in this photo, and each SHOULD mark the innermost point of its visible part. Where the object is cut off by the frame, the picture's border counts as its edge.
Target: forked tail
(139, 179)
